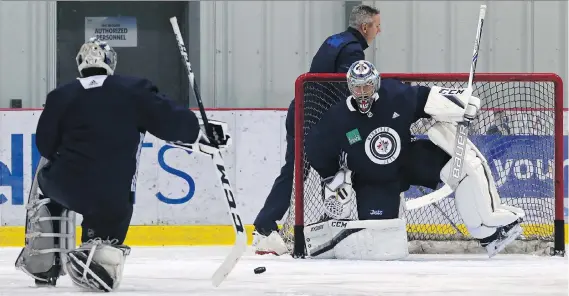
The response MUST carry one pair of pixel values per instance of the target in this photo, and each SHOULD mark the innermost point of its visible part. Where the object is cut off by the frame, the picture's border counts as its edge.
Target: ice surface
(187, 271)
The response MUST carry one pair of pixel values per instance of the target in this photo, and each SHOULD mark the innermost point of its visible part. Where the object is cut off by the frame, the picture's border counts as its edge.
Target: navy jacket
(92, 130)
(339, 52)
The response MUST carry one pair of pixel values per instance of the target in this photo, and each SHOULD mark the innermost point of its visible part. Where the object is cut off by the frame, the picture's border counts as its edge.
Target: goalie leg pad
(357, 240)
(97, 265)
(50, 231)
(476, 197)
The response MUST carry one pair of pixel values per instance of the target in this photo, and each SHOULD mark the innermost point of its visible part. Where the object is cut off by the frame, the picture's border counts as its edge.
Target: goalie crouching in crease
(89, 135)
(364, 149)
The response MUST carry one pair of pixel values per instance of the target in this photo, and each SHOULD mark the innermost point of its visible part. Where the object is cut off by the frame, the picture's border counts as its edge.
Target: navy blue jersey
(374, 145)
(338, 52)
(92, 130)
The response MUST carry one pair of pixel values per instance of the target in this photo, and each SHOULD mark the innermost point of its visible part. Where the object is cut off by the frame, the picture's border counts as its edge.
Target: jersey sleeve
(323, 147)
(48, 137)
(163, 118)
(419, 94)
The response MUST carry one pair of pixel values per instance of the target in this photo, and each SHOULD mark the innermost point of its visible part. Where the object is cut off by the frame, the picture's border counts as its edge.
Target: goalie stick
(463, 126)
(461, 136)
(240, 235)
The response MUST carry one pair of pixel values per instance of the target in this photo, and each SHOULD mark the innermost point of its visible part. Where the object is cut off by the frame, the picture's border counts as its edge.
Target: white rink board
(252, 162)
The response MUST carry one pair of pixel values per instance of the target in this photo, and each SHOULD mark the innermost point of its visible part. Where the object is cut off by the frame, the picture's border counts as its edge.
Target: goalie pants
(421, 166)
(104, 218)
(278, 200)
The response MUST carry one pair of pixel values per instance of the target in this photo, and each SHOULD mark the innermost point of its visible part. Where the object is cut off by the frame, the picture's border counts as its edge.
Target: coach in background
(335, 55)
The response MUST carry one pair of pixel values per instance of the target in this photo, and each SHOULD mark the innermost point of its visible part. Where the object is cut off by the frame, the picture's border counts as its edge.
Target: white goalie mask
(96, 54)
(363, 82)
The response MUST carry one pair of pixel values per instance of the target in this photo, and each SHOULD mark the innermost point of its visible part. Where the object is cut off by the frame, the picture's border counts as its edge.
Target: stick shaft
(462, 127)
(240, 234)
(481, 18)
(191, 76)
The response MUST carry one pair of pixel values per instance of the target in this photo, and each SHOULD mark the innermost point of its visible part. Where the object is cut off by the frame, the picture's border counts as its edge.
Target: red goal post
(531, 103)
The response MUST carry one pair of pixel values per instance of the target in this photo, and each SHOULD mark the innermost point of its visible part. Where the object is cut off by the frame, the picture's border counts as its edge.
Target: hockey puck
(259, 270)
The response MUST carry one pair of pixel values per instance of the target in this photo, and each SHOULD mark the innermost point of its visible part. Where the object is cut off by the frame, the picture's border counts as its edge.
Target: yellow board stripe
(200, 235)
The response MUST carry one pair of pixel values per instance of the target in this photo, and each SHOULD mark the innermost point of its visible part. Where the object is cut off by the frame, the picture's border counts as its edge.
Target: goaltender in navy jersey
(92, 131)
(365, 153)
(376, 146)
(90, 136)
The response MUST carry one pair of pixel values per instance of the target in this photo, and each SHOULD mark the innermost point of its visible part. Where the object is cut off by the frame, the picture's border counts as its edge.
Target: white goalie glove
(338, 193)
(220, 141)
(452, 104)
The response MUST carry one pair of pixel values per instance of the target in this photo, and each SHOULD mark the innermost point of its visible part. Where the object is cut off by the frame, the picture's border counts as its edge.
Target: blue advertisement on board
(522, 166)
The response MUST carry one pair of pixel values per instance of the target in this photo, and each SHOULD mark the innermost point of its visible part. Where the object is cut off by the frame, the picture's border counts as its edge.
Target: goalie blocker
(477, 200)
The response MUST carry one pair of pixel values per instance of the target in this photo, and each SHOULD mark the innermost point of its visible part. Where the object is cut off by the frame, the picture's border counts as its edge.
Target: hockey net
(519, 130)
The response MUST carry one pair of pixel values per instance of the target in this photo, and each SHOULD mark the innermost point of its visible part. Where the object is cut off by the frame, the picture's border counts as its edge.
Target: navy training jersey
(92, 130)
(374, 144)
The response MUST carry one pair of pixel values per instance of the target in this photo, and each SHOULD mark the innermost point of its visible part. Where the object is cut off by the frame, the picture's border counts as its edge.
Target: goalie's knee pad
(50, 231)
(97, 265)
(476, 197)
(362, 240)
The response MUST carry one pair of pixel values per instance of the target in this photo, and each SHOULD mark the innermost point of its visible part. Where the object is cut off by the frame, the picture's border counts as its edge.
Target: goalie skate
(271, 244)
(503, 237)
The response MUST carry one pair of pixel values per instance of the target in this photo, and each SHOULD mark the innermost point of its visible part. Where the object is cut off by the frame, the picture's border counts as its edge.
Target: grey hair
(362, 14)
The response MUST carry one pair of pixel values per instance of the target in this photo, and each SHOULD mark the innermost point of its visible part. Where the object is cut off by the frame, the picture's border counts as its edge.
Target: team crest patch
(353, 136)
(383, 145)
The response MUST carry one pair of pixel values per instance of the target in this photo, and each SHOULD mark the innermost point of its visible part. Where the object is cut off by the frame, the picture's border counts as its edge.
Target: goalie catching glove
(204, 144)
(338, 192)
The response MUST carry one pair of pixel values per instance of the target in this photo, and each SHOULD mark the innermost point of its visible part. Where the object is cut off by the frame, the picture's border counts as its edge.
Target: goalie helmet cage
(522, 119)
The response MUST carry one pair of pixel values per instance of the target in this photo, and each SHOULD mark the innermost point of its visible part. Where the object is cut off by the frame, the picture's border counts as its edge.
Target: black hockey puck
(260, 269)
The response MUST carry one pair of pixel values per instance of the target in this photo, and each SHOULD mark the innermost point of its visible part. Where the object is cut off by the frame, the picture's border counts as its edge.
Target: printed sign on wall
(116, 31)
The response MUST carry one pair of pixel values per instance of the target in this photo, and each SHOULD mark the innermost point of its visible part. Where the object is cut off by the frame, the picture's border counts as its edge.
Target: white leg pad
(476, 197)
(97, 265)
(357, 240)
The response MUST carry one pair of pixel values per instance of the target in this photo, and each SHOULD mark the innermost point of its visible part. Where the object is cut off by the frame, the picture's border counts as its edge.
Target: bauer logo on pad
(353, 136)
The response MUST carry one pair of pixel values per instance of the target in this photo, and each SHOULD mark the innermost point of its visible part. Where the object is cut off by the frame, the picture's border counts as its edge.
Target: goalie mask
(96, 54)
(363, 82)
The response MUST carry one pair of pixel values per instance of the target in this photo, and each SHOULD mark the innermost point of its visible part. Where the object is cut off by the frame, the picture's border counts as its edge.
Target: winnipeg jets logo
(383, 145)
(361, 69)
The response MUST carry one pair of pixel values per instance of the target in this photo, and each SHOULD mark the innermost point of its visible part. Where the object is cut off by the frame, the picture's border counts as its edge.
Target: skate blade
(496, 247)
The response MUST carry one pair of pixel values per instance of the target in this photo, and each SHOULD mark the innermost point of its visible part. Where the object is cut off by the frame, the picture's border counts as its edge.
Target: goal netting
(519, 130)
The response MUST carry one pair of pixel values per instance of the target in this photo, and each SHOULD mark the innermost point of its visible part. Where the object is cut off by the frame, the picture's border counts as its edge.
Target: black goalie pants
(422, 165)
(104, 218)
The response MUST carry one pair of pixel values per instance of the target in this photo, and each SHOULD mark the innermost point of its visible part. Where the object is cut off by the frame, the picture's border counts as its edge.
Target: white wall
(253, 51)
(27, 51)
